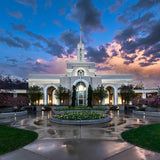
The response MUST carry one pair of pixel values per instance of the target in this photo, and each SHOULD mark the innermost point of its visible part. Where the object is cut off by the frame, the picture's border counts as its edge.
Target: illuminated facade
(79, 74)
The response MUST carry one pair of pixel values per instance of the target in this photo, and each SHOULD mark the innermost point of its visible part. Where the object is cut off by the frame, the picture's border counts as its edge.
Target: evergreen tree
(90, 93)
(73, 95)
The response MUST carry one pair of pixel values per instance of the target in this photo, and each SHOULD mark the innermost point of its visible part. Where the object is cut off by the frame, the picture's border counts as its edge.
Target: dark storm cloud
(116, 6)
(122, 18)
(55, 49)
(38, 67)
(32, 3)
(130, 59)
(24, 43)
(15, 14)
(145, 64)
(153, 51)
(70, 39)
(125, 34)
(87, 15)
(12, 60)
(18, 27)
(50, 45)
(97, 55)
(38, 44)
(103, 68)
(144, 4)
(114, 53)
(36, 36)
(142, 31)
(10, 42)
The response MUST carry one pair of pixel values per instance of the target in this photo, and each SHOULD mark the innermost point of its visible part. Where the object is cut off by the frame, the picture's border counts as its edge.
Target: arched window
(80, 94)
(80, 73)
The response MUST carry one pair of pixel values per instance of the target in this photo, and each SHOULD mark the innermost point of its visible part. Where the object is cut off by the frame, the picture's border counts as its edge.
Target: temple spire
(80, 34)
(80, 48)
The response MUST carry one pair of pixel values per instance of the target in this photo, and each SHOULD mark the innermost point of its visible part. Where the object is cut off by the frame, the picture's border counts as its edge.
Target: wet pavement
(87, 142)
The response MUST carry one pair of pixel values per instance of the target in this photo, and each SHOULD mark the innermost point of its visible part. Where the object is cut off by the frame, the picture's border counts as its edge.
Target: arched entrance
(110, 99)
(49, 95)
(51, 98)
(81, 95)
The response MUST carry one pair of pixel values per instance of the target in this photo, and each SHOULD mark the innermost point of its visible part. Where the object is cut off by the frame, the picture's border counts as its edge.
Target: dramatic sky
(120, 36)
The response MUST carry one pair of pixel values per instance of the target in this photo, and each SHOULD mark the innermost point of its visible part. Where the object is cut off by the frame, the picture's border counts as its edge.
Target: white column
(14, 95)
(103, 101)
(58, 101)
(44, 96)
(115, 96)
(143, 95)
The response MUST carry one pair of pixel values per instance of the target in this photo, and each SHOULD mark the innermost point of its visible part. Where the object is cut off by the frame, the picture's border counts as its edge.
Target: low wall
(81, 122)
(13, 114)
(147, 113)
(70, 111)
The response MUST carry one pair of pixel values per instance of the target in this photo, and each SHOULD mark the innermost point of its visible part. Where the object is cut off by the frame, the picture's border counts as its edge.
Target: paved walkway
(95, 142)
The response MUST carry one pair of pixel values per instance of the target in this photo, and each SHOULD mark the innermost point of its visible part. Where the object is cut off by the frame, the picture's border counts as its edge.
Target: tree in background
(139, 85)
(127, 93)
(62, 93)
(90, 94)
(34, 94)
(73, 95)
(99, 93)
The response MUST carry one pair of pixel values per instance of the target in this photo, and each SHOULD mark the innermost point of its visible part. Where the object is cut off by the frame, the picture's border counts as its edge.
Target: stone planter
(80, 122)
(147, 113)
(13, 114)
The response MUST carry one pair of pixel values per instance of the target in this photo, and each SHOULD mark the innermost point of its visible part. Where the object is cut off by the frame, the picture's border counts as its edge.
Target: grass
(13, 138)
(80, 108)
(146, 137)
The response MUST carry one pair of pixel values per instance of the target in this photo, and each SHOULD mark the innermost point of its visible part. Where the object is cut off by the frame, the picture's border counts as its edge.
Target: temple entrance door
(80, 94)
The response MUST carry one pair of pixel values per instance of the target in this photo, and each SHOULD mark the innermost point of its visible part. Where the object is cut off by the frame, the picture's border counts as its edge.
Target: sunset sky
(120, 36)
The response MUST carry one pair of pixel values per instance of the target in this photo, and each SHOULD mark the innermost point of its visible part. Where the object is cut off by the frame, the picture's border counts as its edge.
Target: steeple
(80, 49)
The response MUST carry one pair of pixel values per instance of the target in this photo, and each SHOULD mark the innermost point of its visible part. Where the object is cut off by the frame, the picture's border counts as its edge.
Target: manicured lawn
(13, 138)
(146, 137)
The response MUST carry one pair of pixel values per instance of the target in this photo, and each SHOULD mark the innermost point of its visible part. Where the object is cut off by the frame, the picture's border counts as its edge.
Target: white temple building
(81, 74)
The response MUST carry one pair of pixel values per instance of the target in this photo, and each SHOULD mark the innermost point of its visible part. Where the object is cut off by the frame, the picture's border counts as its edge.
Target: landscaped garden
(79, 116)
(80, 108)
(13, 138)
(146, 137)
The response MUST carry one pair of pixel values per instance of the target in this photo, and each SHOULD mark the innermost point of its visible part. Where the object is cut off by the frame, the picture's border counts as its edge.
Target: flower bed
(80, 108)
(79, 116)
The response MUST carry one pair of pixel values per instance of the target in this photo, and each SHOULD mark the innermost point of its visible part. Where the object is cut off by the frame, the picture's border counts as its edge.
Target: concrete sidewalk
(51, 149)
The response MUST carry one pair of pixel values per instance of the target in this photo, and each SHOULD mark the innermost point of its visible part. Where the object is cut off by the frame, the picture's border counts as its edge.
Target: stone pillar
(14, 95)
(44, 96)
(103, 101)
(58, 102)
(143, 95)
(115, 96)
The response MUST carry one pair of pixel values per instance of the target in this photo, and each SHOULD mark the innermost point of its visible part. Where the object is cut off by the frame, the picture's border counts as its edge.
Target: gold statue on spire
(80, 27)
